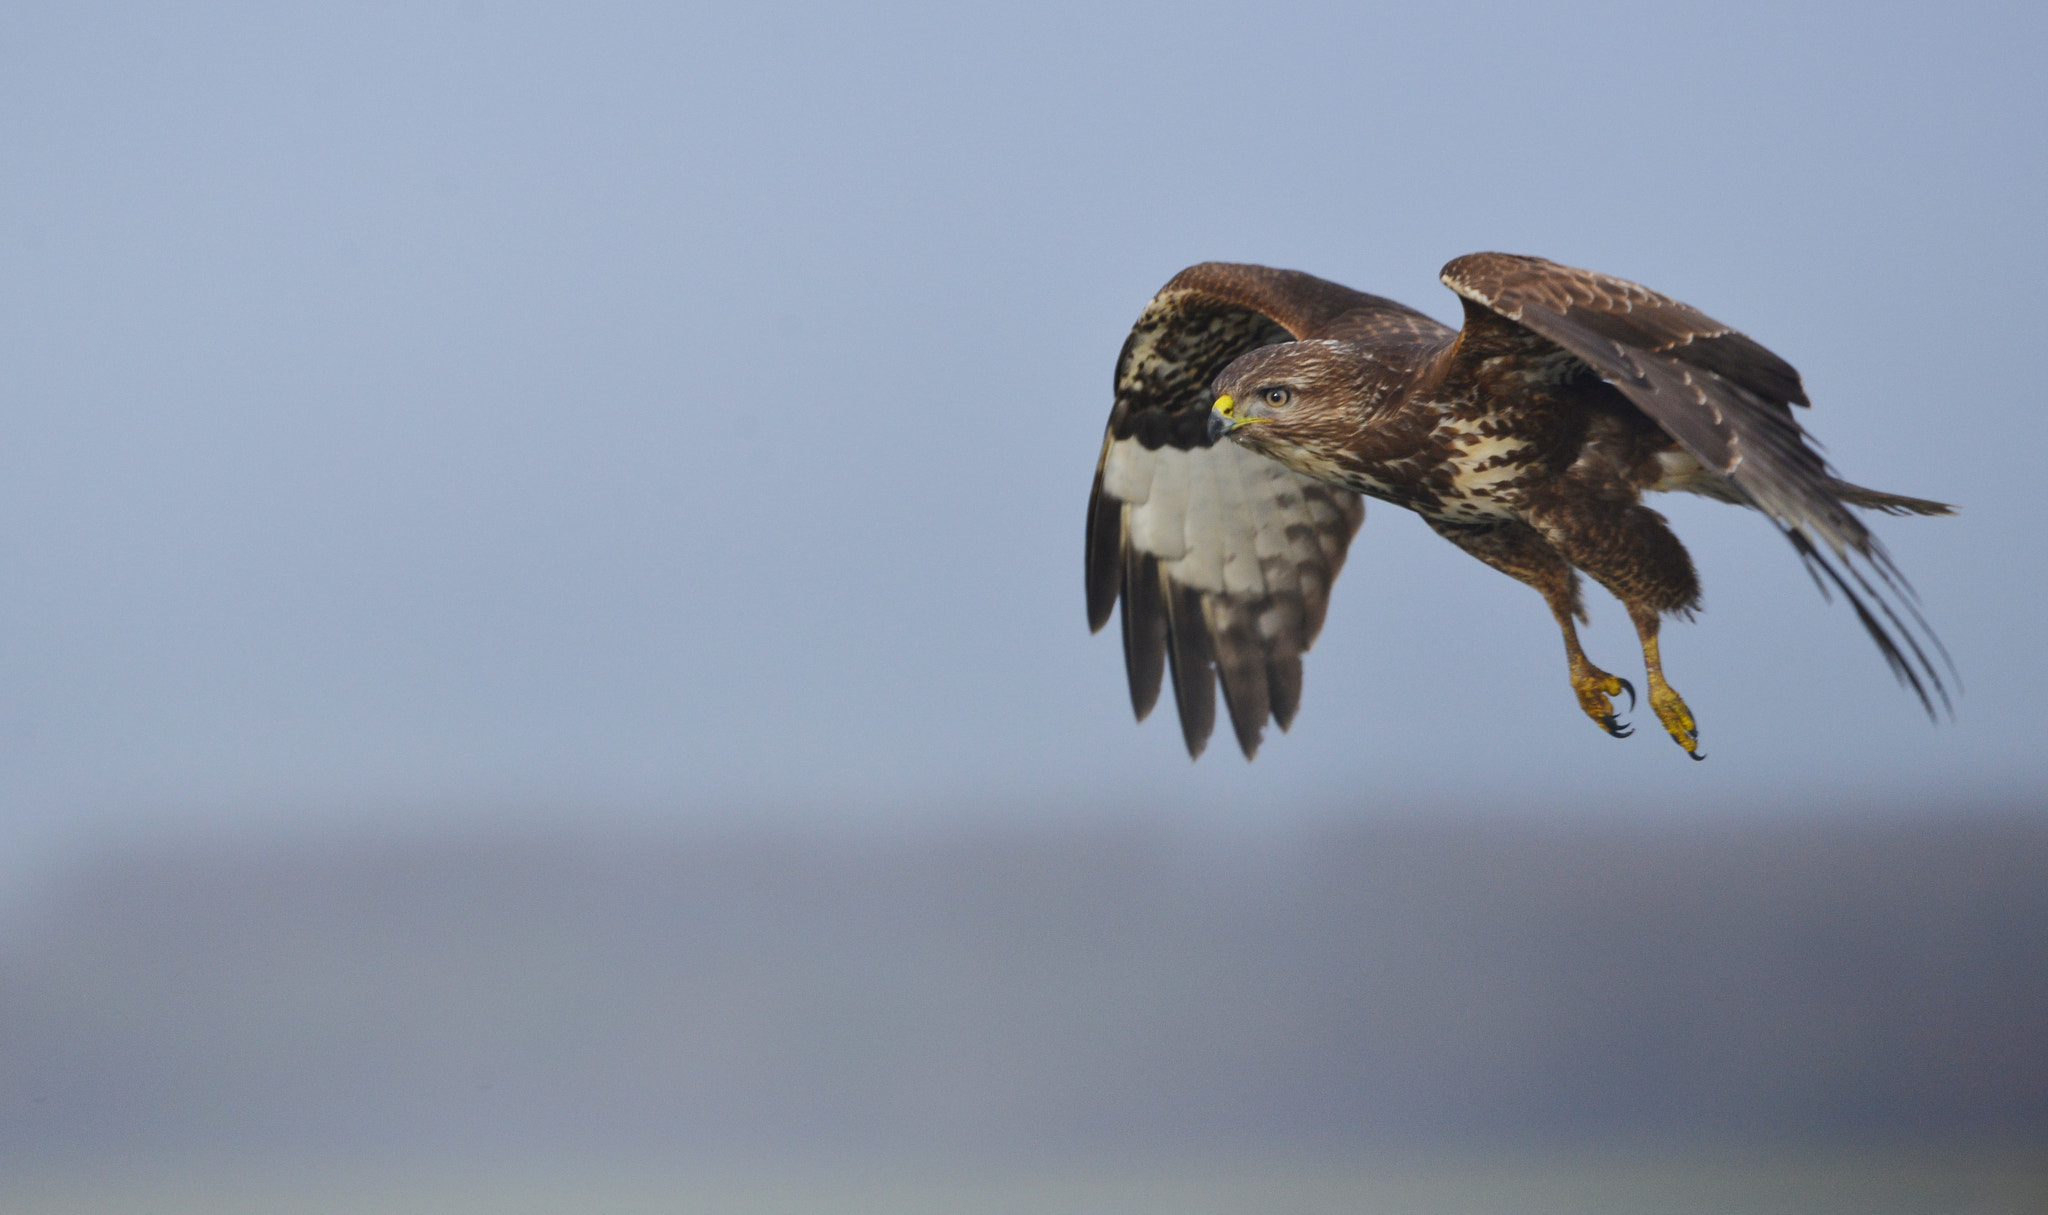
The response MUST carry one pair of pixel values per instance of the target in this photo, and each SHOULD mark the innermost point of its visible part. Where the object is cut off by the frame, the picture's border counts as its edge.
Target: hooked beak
(1224, 417)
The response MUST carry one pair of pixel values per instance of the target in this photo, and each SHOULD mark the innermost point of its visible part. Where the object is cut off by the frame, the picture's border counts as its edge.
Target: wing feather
(1256, 545)
(1144, 630)
(1231, 616)
(1105, 549)
(1221, 558)
(1188, 657)
(1725, 399)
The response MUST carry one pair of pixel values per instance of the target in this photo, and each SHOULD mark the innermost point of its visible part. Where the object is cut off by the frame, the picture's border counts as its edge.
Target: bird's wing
(1222, 558)
(1725, 399)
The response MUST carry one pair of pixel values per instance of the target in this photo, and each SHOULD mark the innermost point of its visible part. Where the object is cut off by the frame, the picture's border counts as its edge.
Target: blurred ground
(1565, 1010)
(2007, 1183)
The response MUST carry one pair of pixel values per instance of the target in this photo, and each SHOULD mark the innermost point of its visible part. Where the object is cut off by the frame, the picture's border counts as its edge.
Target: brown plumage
(1255, 406)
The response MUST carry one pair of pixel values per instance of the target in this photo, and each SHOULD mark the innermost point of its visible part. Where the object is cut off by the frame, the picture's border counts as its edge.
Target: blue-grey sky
(641, 412)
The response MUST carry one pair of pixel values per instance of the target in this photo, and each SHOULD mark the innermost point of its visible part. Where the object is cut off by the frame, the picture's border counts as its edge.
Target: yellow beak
(1224, 418)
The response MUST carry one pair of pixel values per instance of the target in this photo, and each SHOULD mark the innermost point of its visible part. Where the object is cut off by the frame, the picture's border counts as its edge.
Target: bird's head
(1280, 399)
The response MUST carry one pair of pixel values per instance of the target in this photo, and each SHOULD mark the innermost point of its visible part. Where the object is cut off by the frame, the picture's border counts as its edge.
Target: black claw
(1697, 755)
(1616, 728)
(1630, 688)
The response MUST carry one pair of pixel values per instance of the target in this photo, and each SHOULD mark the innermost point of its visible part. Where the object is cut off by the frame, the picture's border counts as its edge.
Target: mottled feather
(1222, 560)
(1527, 438)
(1727, 400)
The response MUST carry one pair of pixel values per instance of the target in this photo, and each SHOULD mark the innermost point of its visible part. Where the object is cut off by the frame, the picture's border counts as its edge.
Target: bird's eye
(1277, 395)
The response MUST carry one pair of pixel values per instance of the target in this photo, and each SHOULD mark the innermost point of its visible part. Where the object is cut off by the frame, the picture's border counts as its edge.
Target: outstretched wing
(1222, 558)
(1726, 400)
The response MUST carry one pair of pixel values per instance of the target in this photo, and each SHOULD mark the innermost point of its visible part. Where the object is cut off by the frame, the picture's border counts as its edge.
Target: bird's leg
(1626, 547)
(1668, 705)
(1516, 549)
(1594, 687)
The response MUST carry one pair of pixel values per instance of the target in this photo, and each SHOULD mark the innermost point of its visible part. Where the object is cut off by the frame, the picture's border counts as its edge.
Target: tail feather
(1890, 504)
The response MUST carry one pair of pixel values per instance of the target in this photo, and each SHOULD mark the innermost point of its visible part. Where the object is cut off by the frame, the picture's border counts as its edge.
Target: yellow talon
(1677, 719)
(1595, 689)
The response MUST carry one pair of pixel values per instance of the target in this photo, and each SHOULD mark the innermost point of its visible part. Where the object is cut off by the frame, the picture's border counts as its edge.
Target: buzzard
(1254, 407)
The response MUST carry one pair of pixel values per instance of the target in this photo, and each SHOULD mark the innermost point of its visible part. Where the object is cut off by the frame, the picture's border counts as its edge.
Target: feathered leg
(1627, 548)
(1519, 551)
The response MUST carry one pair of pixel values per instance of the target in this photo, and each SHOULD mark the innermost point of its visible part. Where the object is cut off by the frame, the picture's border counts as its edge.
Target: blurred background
(542, 657)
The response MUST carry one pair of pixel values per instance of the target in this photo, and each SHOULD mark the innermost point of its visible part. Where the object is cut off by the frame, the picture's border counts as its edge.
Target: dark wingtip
(1283, 687)
(1909, 662)
(1192, 667)
(1104, 565)
(1248, 739)
(1145, 632)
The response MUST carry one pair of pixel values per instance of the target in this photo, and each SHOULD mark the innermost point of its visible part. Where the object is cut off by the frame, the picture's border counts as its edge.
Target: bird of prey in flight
(1254, 407)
